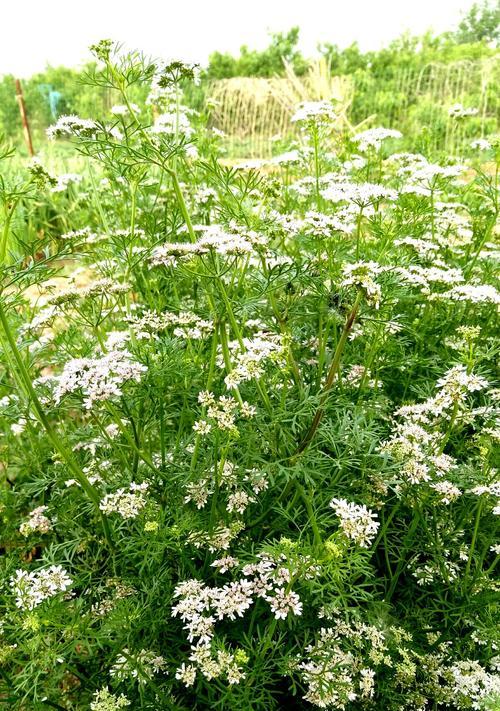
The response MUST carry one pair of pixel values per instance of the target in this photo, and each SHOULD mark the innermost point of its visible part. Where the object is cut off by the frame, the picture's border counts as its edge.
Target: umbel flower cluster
(248, 413)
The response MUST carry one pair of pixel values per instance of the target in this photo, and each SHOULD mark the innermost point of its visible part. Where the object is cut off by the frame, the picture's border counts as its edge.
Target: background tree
(255, 63)
(481, 23)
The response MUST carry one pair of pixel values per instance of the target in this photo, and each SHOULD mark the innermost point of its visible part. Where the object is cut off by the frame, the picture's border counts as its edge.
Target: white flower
(356, 521)
(98, 378)
(361, 275)
(72, 126)
(250, 363)
(320, 112)
(64, 180)
(373, 137)
(37, 522)
(122, 110)
(247, 411)
(474, 293)
(104, 700)
(282, 603)
(172, 123)
(480, 144)
(457, 381)
(126, 503)
(112, 430)
(197, 492)
(32, 588)
(186, 674)
(225, 564)
(361, 194)
(18, 427)
(447, 491)
(202, 427)
(459, 111)
(367, 682)
(142, 666)
(238, 501)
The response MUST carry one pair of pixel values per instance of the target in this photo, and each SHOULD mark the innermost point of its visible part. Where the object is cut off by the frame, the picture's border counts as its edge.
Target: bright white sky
(40, 32)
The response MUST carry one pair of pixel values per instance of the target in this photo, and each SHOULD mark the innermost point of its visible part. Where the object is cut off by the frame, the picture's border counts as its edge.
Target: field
(249, 412)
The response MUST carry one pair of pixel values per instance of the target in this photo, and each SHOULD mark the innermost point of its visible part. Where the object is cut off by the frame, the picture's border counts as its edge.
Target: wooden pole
(24, 118)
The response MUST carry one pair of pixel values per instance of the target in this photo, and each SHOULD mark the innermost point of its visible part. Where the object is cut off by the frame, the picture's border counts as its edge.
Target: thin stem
(474, 539)
(331, 376)
(316, 166)
(358, 231)
(310, 512)
(446, 437)
(227, 358)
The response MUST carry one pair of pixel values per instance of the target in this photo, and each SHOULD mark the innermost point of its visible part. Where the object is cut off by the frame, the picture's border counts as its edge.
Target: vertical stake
(24, 118)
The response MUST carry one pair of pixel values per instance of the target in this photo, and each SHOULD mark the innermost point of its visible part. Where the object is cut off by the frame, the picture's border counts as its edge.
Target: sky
(40, 32)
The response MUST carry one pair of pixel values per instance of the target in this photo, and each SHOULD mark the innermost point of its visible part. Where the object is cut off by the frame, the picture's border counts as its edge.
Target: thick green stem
(24, 381)
(5, 233)
(474, 539)
(182, 203)
(331, 376)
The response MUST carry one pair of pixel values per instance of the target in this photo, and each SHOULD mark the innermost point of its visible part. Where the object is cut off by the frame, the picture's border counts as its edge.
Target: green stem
(450, 428)
(227, 358)
(402, 559)
(331, 376)
(182, 203)
(5, 231)
(316, 166)
(211, 371)
(358, 231)
(474, 539)
(239, 337)
(310, 512)
(25, 383)
(170, 171)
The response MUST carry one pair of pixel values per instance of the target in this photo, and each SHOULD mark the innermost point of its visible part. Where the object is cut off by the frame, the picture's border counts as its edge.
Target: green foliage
(248, 439)
(266, 63)
(481, 23)
(378, 76)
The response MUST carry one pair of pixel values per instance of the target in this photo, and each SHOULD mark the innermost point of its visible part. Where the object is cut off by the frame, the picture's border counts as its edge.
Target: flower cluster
(221, 413)
(362, 276)
(98, 379)
(126, 503)
(37, 522)
(315, 112)
(142, 665)
(250, 356)
(104, 700)
(201, 606)
(73, 126)
(335, 670)
(32, 588)
(185, 325)
(459, 111)
(215, 239)
(357, 522)
(373, 137)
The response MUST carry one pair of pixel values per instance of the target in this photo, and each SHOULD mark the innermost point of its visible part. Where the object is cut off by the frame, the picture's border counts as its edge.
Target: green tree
(10, 121)
(481, 23)
(255, 63)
